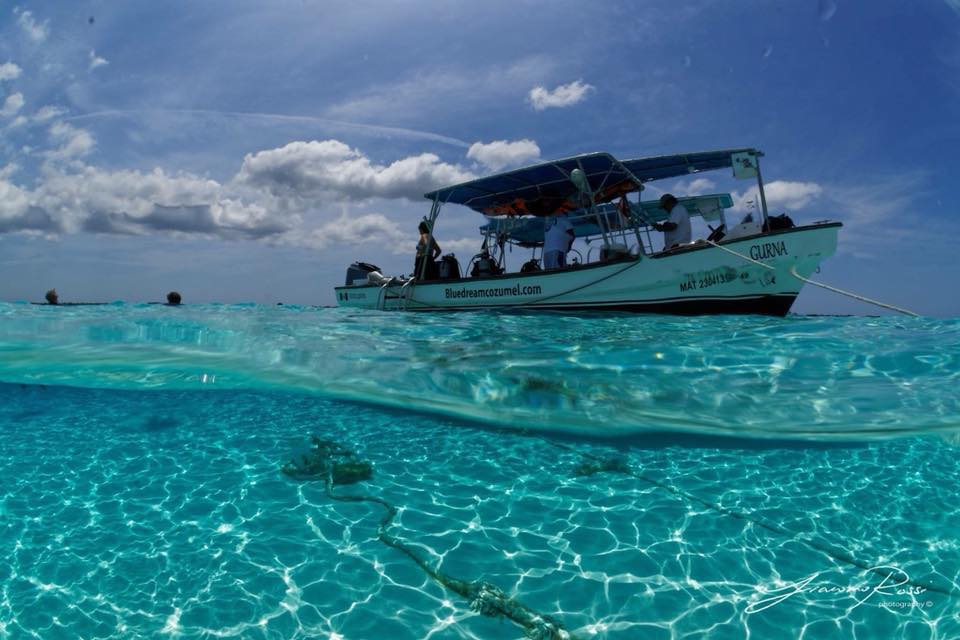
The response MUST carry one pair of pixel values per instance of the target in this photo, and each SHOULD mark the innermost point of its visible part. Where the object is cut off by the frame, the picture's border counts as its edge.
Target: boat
(756, 264)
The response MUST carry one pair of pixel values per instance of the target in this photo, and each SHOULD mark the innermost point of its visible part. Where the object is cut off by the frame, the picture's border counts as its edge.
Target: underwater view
(211, 471)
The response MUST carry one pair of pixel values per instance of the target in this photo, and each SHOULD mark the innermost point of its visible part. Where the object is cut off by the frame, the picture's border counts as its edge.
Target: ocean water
(606, 476)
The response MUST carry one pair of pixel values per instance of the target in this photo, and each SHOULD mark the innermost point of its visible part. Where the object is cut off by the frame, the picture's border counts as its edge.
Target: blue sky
(241, 151)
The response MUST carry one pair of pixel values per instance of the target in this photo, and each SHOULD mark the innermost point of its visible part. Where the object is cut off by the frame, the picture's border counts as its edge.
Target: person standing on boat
(426, 240)
(557, 239)
(676, 228)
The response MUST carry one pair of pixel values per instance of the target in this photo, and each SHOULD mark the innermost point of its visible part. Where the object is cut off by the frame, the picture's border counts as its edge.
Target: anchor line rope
(483, 597)
(836, 554)
(489, 600)
(793, 272)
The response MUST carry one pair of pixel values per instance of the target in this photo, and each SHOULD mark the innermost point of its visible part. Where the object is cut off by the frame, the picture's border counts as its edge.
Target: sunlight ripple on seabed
(175, 518)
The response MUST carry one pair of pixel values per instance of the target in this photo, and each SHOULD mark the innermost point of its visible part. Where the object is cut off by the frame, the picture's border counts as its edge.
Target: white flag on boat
(744, 165)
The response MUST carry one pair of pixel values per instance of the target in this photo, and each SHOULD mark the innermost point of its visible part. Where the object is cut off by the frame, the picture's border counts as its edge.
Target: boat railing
(406, 292)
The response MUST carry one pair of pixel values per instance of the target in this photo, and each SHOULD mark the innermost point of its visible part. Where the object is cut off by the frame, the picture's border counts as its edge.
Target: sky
(250, 151)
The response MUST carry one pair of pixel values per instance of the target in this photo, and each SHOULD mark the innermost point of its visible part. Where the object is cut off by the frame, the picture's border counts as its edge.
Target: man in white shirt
(676, 228)
(557, 239)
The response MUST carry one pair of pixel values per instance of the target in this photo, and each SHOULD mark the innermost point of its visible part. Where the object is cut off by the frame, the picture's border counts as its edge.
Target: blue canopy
(528, 232)
(546, 189)
(681, 164)
(543, 189)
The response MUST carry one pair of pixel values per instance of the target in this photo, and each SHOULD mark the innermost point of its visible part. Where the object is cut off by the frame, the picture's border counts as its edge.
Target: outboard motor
(378, 279)
(360, 271)
(449, 267)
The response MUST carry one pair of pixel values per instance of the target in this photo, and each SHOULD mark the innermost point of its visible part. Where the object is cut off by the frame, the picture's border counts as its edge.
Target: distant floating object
(91, 20)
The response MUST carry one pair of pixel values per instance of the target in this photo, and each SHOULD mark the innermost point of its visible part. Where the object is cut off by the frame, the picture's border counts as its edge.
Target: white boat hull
(697, 279)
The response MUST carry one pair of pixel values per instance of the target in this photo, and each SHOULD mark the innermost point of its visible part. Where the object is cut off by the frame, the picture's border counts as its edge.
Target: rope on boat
(632, 264)
(616, 464)
(793, 272)
(531, 303)
(336, 464)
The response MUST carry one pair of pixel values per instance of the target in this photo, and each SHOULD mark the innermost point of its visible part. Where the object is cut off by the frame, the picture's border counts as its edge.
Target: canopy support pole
(636, 223)
(635, 215)
(601, 223)
(763, 196)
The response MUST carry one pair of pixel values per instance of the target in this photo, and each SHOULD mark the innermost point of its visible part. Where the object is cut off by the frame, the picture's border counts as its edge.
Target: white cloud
(873, 204)
(466, 248)
(701, 185)
(12, 105)
(564, 95)
(500, 153)
(791, 195)
(875, 214)
(331, 169)
(14, 201)
(298, 194)
(694, 187)
(882, 211)
(442, 91)
(353, 230)
(35, 31)
(73, 142)
(151, 117)
(96, 61)
(9, 71)
(137, 203)
(780, 194)
(48, 113)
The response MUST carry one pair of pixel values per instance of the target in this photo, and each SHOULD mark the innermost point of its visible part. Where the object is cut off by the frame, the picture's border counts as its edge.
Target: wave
(824, 378)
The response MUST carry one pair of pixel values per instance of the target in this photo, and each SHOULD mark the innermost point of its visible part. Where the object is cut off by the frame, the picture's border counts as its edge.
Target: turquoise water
(736, 461)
